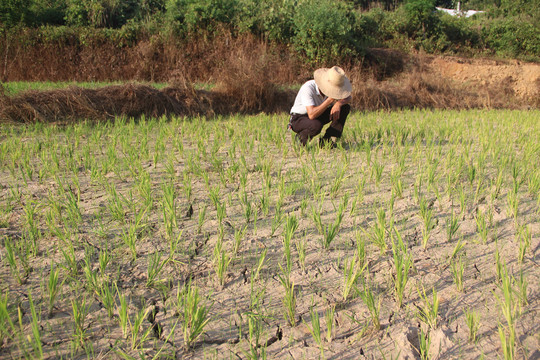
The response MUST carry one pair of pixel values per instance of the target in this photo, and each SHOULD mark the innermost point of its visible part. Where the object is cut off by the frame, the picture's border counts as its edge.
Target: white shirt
(308, 95)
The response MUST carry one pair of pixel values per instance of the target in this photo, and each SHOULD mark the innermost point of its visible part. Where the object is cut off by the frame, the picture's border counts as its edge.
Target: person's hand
(335, 111)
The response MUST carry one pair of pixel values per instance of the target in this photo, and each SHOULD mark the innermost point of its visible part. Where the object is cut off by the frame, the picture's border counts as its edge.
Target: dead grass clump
(74, 103)
(246, 81)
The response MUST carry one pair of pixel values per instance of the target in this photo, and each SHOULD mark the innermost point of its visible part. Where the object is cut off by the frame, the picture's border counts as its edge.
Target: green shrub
(512, 37)
(272, 20)
(326, 30)
(190, 16)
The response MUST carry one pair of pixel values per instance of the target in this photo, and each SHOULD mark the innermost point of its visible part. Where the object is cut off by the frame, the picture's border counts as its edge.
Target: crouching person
(319, 102)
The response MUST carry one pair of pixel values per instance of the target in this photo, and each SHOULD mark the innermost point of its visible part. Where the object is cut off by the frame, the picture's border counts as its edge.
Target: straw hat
(333, 82)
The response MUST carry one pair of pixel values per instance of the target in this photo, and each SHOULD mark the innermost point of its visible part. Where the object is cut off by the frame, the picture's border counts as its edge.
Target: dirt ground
(245, 160)
(523, 78)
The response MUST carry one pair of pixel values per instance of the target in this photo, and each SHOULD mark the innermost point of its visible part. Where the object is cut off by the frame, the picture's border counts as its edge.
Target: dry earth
(523, 78)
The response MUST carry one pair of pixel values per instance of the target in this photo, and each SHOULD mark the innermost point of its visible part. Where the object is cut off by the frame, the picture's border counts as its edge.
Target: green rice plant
(481, 226)
(53, 287)
(359, 198)
(524, 238)
(6, 325)
(462, 201)
(291, 224)
(402, 266)
(260, 263)
(424, 342)
(351, 272)
(17, 270)
(373, 304)
(533, 182)
(452, 226)
(115, 204)
(155, 266)
(330, 231)
(289, 300)
(315, 328)
(499, 266)
(521, 285)
(376, 171)
(138, 337)
(329, 315)
(512, 203)
(277, 220)
(196, 315)
(360, 249)
(472, 319)
(509, 309)
(106, 296)
(129, 237)
(221, 212)
(457, 267)
(122, 309)
(221, 261)
(34, 340)
(168, 206)
(426, 214)
(239, 235)
(201, 219)
(429, 310)
(459, 246)
(34, 234)
(301, 245)
(80, 312)
(338, 180)
(397, 182)
(507, 343)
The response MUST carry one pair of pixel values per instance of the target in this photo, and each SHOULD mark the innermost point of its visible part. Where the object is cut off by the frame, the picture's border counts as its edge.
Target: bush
(326, 31)
(271, 20)
(191, 16)
(512, 37)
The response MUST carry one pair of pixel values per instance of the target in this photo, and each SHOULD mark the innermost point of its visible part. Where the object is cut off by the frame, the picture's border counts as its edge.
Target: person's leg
(336, 128)
(305, 128)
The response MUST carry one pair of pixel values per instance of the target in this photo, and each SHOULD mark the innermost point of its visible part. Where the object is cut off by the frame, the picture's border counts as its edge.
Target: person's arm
(314, 112)
(336, 109)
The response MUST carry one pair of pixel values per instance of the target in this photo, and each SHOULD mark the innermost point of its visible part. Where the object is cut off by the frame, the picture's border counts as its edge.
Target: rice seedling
(521, 285)
(481, 226)
(351, 272)
(289, 299)
(155, 266)
(424, 343)
(80, 312)
(376, 171)
(457, 268)
(239, 235)
(221, 261)
(524, 238)
(509, 309)
(138, 337)
(315, 328)
(360, 249)
(53, 288)
(330, 231)
(291, 224)
(20, 272)
(472, 319)
(329, 315)
(512, 205)
(301, 245)
(429, 310)
(277, 220)
(373, 304)
(426, 214)
(402, 266)
(452, 226)
(195, 315)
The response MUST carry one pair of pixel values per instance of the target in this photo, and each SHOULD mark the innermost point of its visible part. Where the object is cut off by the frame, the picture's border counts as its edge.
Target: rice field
(417, 237)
